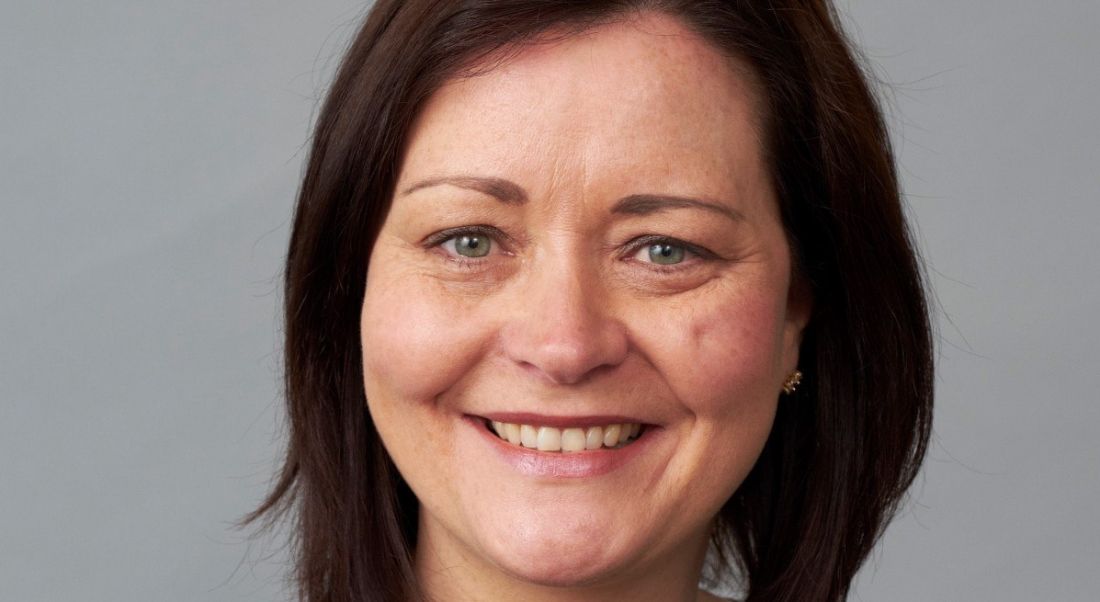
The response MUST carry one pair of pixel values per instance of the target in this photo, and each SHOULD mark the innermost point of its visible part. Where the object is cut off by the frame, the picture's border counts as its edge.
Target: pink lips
(589, 463)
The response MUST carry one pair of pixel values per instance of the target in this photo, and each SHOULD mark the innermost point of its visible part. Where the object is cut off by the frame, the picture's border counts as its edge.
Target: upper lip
(580, 421)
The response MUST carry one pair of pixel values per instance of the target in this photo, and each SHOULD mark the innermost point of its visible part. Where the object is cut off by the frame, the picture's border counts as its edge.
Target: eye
(469, 245)
(665, 253)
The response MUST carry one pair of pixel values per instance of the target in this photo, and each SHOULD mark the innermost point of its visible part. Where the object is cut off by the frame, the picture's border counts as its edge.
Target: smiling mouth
(567, 440)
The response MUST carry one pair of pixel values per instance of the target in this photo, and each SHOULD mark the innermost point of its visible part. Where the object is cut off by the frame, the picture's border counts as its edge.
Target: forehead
(644, 101)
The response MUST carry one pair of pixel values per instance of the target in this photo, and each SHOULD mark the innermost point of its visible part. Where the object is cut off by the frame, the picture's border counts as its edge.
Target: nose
(562, 327)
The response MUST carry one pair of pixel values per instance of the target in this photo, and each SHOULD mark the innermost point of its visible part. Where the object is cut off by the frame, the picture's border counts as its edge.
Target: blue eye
(664, 253)
(472, 245)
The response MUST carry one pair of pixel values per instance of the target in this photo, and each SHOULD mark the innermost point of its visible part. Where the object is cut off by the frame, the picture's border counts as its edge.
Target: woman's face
(581, 238)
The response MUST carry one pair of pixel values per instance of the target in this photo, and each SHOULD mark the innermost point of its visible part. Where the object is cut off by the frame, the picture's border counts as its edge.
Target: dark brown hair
(843, 449)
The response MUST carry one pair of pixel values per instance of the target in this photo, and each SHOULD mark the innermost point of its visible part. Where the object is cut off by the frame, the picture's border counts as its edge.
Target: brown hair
(843, 449)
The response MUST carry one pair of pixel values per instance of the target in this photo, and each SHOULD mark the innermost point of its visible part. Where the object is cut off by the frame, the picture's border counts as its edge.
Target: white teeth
(594, 438)
(611, 435)
(572, 440)
(511, 433)
(549, 439)
(568, 440)
(528, 436)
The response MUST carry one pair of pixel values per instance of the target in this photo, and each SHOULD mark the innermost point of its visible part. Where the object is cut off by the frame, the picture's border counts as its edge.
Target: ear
(799, 309)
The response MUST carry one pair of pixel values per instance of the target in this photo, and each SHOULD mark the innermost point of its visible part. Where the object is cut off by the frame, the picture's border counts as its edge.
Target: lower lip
(566, 465)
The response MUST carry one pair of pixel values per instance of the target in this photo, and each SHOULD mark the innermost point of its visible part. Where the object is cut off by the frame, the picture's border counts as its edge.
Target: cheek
(416, 342)
(725, 354)
(720, 359)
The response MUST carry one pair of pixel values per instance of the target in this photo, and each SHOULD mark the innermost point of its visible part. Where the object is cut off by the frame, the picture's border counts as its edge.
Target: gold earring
(791, 384)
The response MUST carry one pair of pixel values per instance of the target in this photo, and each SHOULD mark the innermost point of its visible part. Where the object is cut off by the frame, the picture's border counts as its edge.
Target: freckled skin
(564, 317)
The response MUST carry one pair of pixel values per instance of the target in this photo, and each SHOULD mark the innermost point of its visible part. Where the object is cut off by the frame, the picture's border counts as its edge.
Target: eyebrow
(504, 191)
(511, 193)
(645, 204)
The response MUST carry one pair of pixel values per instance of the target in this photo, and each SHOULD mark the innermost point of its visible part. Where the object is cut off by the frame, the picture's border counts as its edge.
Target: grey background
(149, 155)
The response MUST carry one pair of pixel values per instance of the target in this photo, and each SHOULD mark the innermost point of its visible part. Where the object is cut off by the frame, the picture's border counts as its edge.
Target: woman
(557, 272)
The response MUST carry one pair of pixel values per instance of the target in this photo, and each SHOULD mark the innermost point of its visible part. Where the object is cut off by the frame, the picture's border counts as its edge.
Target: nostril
(564, 347)
(566, 372)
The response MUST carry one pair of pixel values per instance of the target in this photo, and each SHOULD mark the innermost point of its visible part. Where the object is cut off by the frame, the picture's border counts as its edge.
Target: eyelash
(648, 240)
(436, 241)
(633, 247)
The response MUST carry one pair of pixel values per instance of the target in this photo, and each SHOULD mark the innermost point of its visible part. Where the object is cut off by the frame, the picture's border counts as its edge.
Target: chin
(561, 570)
(564, 558)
